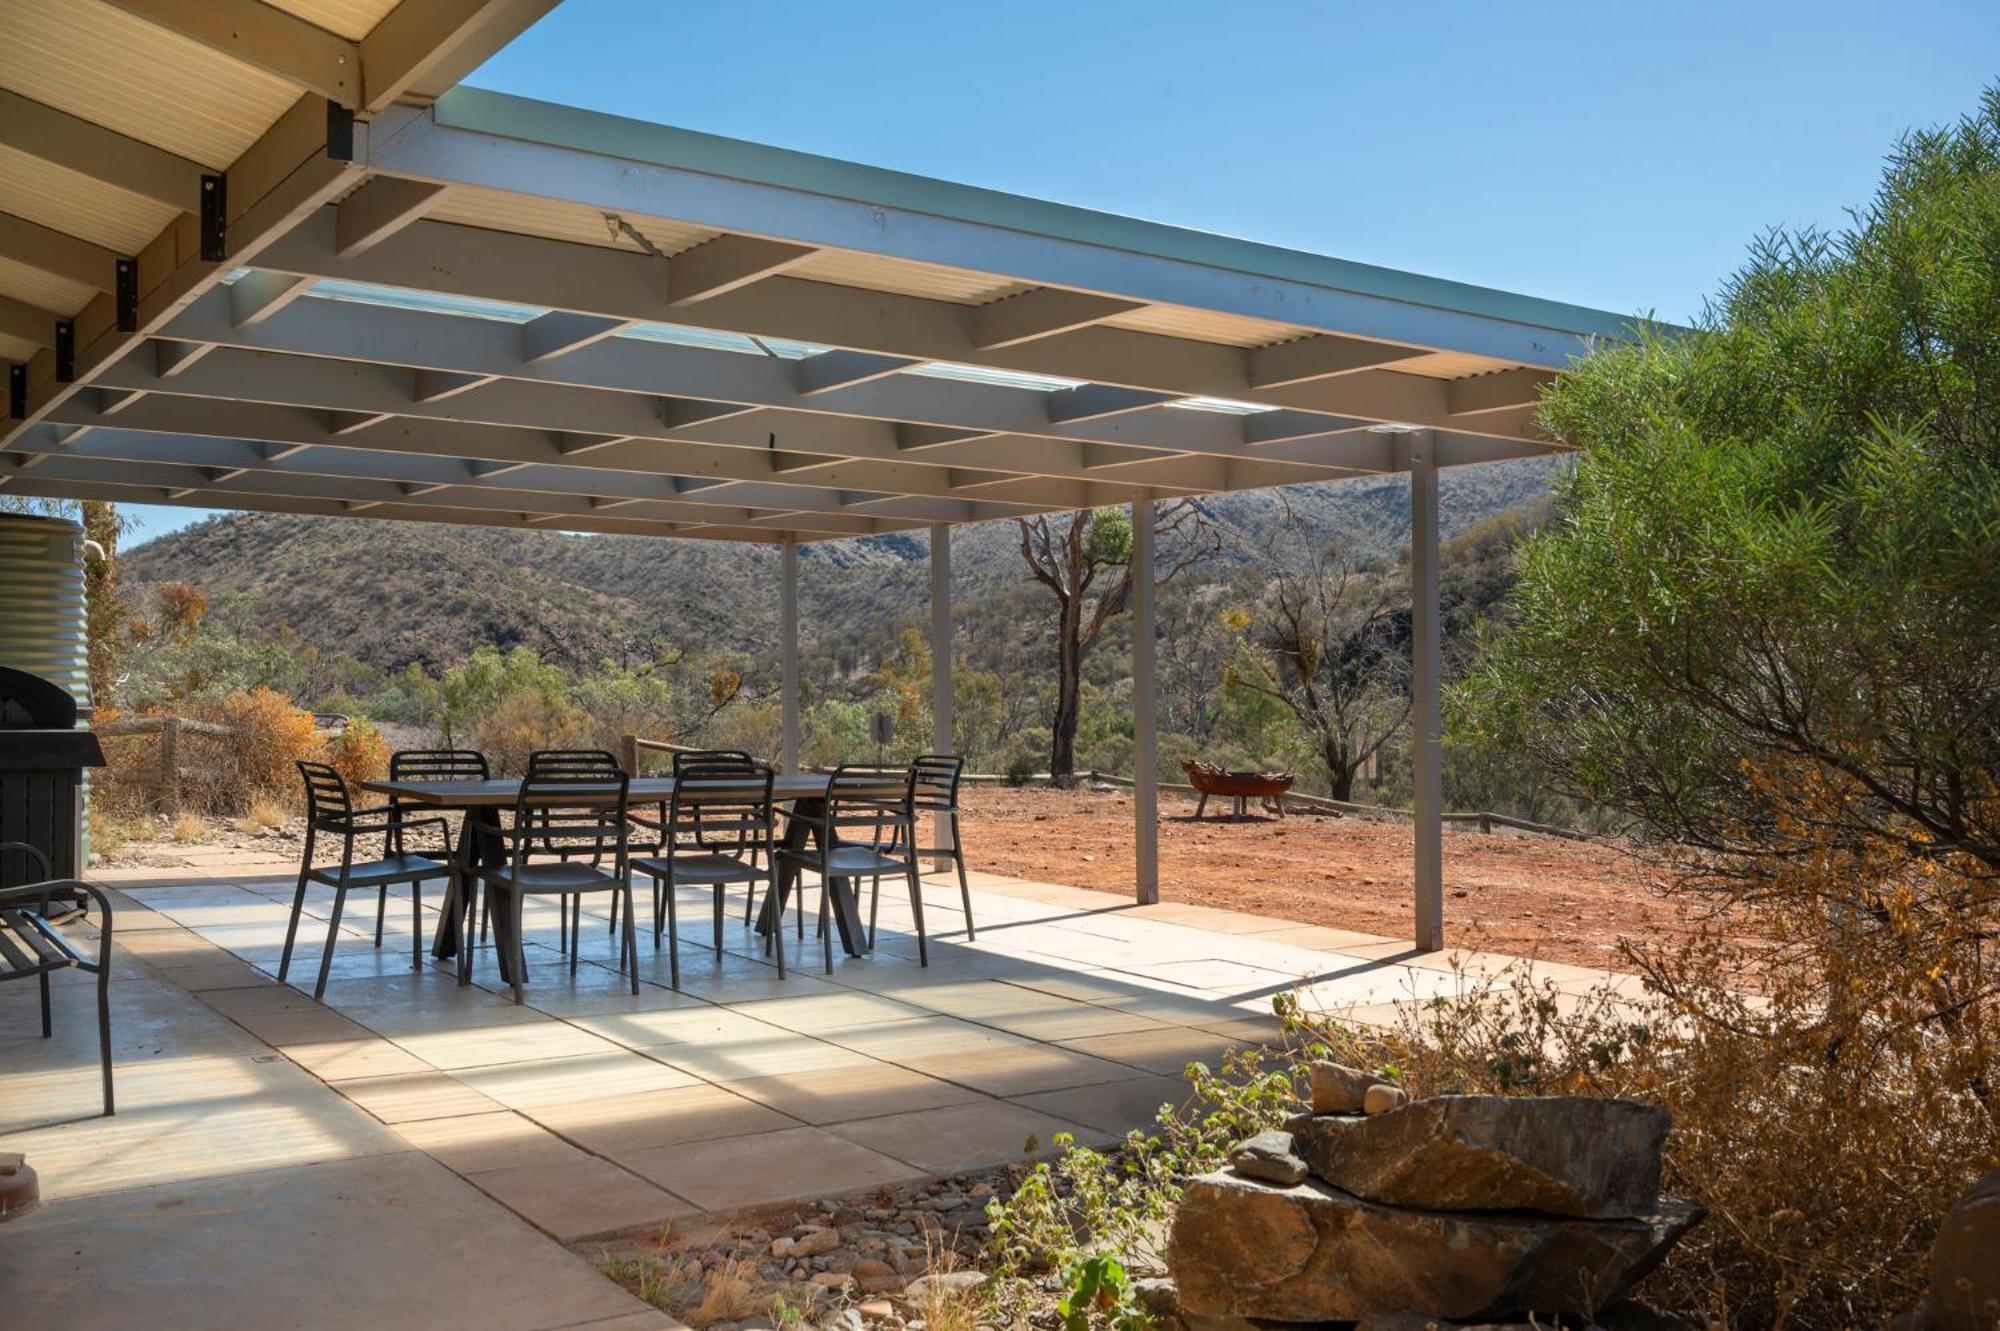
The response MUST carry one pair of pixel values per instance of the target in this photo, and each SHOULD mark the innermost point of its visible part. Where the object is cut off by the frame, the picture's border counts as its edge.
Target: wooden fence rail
(164, 777)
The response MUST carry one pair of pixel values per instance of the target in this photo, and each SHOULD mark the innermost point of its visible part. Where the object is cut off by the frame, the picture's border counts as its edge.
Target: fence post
(170, 764)
(628, 753)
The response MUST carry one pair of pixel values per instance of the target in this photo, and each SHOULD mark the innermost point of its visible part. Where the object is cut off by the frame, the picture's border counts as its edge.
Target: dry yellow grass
(190, 828)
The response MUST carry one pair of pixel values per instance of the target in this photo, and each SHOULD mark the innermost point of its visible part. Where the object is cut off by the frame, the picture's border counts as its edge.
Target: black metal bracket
(339, 132)
(128, 295)
(214, 218)
(17, 391)
(65, 351)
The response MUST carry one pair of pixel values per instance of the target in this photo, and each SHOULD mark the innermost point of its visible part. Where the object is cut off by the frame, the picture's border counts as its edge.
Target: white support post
(1426, 668)
(788, 652)
(941, 654)
(1145, 758)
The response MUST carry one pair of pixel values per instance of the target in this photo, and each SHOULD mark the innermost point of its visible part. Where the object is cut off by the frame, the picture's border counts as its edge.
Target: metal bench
(32, 945)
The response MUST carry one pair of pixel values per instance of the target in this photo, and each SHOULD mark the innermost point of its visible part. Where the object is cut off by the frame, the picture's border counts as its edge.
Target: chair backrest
(439, 765)
(573, 762)
(326, 795)
(684, 757)
(863, 795)
(934, 781)
(573, 813)
(725, 804)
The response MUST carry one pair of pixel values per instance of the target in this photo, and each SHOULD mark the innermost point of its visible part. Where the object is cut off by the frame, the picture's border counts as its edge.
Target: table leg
(846, 904)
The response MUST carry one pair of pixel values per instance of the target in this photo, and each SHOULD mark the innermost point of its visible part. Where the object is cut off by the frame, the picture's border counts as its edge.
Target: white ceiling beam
(1321, 357)
(594, 279)
(76, 144)
(265, 37)
(57, 253)
(469, 345)
(725, 263)
(29, 323)
(1042, 313)
(843, 369)
(423, 48)
(1500, 391)
(438, 385)
(1094, 401)
(379, 209)
(559, 332)
(257, 296)
(171, 358)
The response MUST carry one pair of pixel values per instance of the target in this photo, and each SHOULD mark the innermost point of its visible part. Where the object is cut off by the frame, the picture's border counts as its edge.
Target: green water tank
(42, 624)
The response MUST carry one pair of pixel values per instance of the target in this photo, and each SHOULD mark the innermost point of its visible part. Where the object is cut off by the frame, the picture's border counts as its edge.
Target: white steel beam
(1426, 660)
(725, 263)
(379, 209)
(18, 319)
(1042, 313)
(1145, 691)
(264, 37)
(788, 659)
(501, 266)
(558, 333)
(1321, 357)
(57, 253)
(76, 144)
(255, 297)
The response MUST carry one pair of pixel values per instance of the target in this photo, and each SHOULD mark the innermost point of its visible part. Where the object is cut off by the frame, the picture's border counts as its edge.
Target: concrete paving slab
(393, 1240)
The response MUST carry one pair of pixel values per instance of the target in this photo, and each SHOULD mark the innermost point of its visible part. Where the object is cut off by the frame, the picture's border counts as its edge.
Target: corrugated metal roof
(1450, 365)
(906, 278)
(352, 19)
(1206, 326)
(42, 289)
(86, 208)
(93, 61)
(561, 221)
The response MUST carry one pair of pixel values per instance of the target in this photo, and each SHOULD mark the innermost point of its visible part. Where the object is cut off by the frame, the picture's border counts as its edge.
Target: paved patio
(266, 1143)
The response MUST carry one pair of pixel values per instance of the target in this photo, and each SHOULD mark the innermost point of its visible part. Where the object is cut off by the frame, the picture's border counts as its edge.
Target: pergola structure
(269, 257)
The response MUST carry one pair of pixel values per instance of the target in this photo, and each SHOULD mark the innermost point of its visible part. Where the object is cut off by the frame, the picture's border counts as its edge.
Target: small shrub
(269, 736)
(1020, 769)
(359, 752)
(266, 812)
(190, 828)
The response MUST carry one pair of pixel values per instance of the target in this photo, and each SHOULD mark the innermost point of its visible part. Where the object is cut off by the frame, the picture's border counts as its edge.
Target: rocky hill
(389, 594)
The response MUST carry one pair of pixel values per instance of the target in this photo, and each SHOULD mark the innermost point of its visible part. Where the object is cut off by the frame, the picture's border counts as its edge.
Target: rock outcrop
(1467, 1209)
(1964, 1293)
(1312, 1253)
(1563, 1155)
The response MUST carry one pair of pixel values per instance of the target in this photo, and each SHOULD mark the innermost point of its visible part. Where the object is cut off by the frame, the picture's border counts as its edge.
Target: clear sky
(1616, 155)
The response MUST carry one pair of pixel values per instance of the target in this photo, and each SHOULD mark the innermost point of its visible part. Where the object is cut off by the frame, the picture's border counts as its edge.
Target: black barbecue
(42, 757)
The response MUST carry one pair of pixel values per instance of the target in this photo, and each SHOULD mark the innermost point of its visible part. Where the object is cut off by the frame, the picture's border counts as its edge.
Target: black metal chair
(575, 820)
(434, 765)
(880, 800)
(330, 809)
(32, 945)
(718, 824)
(934, 781)
(559, 762)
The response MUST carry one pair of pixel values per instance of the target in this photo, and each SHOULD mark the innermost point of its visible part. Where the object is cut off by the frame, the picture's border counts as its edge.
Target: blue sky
(1616, 155)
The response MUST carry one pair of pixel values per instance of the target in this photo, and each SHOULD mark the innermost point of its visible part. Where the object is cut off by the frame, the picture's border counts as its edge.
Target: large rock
(1268, 1156)
(1964, 1294)
(1337, 1088)
(1314, 1254)
(1561, 1155)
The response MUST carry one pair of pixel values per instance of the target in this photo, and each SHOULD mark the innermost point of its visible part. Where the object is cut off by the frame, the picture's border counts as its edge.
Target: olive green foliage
(1782, 540)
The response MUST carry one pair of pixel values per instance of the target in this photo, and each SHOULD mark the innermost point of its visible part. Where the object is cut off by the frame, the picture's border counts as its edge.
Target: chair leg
(104, 1033)
(874, 908)
(332, 933)
(673, 938)
(576, 926)
(825, 934)
(465, 947)
(964, 888)
(917, 909)
(720, 909)
(292, 929)
(416, 924)
(48, 1028)
(775, 940)
(485, 911)
(631, 937)
(381, 909)
(514, 897)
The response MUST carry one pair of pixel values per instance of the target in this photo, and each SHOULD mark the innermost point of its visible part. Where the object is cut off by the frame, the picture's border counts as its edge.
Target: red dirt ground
(1511, 892)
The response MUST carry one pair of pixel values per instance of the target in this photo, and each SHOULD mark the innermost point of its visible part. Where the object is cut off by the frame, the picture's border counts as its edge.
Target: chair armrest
(41, 857)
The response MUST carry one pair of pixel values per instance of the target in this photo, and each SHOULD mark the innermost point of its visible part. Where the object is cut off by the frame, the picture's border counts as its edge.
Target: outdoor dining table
(483, 801)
